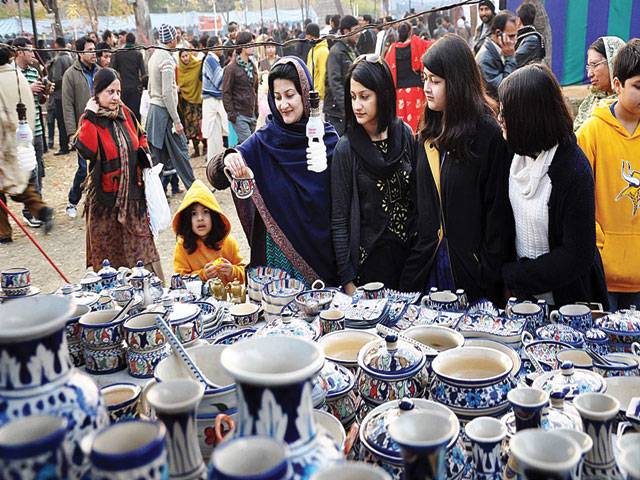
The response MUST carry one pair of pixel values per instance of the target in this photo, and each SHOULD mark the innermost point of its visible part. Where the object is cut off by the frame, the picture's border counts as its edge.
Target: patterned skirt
(122, 244)
(191, 114)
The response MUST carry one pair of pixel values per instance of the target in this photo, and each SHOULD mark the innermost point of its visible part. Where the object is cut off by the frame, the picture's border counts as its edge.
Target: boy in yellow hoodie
(611, 140)
(205, 245)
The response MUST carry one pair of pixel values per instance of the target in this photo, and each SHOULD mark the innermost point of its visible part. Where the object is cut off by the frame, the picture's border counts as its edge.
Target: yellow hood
(201, 194)
(603, 112)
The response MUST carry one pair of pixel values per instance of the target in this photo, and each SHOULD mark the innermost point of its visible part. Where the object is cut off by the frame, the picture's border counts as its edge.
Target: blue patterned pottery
(486, 435)
(312, 302)
(391, 369)
(274, 377)
(532, 313)
(349, 470)
(622, 328)
(142, 333)
(122, 401)
(143, 364)
(573, 381)
(175, 403)
(108, 275)
(36, 375)
(98, 331)
(341, 400)
(545, 455)
(250, 458)
(258, 277)
(15, 281)
(105, 360)
(378, 447)
(289, 326)
(31, 448)
(130, 450)
(622, 365)
(597, 340)
(561, 333)
(472, 381)
(527, 404)
(575, 316)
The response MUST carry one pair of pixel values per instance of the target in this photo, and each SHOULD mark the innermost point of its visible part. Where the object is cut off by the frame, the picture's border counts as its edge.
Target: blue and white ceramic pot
(251, 458)
(486, 435)
(36, 375)
(130, 450)
(533, 314)
(598, 412)
(175, 403)
(597, 340)
(108, 275)
(423, 438)
(122, 401)
(274, 376)
(31, 448)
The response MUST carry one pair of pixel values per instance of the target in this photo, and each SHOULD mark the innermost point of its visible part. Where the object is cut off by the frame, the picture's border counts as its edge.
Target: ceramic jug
(37, 376)
(274, 376)
(486, 435)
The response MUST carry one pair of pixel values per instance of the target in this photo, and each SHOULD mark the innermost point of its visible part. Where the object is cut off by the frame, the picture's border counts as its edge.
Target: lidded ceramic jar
(561, 333)
(289, 326)
(573, 381)
(390, 369)
(379, 447)
(108, 274)
(597, 340)
(622, 328)
(342, 399)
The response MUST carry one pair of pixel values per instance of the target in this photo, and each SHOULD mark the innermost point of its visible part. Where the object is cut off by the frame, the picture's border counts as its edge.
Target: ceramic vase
(423, 439)
(175, 403)
(486, 435)
(584, 442)
(37, 377)
(31, 447)
(547, 455)
(598, 412)
(274, 376)
(527, 404)
(130, 450)
(250, 458)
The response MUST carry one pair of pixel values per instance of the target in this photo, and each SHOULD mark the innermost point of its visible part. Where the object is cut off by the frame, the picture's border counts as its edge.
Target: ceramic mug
(443, 301)
(122, 401)
(102, 361)
(241, 187)
(143, 364)
(331, 320)
(244, 314)
(373, 290)
(250, 458)
(32, 447)
(576, 316)
(126, 450)
(527, 404)
(532, 313)
(122, 293)
(142, 334)
(15, 281)
(98, 330)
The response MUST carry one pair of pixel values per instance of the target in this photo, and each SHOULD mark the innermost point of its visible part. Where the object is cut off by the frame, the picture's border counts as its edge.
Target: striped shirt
(33, 76)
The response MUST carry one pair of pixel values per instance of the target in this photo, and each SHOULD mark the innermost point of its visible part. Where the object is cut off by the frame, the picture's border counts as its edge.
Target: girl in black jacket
(370, 180)
(461, 182)
(551, 192)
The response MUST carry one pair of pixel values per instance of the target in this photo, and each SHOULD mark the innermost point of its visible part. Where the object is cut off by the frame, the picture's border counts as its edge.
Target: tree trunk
(92, 12)
(57, 21)
(143, 22)
(543, 26)
(339, 7)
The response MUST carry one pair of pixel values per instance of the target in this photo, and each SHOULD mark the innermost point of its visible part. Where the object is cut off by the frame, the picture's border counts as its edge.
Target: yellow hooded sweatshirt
(614, 155)
(186, 263)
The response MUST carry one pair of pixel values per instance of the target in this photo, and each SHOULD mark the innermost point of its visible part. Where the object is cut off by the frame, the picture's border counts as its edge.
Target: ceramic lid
(339, 379)
(596, 335)
(374, 431)
(84, 298)
(139, 272)
(289, 326)
(107, 270)
(319, 391)
(180, 312)
(621, 321)
(574, 381)
(391, 358)
(559, 333)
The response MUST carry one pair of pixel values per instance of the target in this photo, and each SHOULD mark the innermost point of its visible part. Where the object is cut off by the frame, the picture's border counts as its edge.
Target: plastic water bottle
(316, 151)
(25, 152)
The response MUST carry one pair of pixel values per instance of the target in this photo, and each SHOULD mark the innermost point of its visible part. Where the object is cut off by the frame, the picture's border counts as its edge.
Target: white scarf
(526, 172)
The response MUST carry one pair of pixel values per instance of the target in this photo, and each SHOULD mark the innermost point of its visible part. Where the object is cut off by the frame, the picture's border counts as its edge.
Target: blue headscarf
(298, 200)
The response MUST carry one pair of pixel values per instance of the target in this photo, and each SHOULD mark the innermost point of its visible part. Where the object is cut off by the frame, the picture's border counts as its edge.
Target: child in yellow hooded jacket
(205, 245)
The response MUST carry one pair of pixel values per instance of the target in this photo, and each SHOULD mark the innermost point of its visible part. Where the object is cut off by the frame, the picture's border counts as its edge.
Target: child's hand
(224, 267)
(210, 270)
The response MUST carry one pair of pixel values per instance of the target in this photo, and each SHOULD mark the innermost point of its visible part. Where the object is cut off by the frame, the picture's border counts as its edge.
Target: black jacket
(366, 41)
(130, 65)
(359, 218)
(529, 46)
(572, 269)
(494, 70)
(341, 56)
(477, 216)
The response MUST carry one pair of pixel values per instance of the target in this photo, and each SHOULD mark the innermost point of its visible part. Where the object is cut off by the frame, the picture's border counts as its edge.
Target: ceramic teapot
(216, 288)
(237, 292)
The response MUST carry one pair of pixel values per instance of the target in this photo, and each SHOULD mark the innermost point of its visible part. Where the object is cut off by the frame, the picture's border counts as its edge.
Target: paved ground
(66, 243)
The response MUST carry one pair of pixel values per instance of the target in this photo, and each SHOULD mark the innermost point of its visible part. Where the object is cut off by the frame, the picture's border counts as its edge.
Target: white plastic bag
(157, 205)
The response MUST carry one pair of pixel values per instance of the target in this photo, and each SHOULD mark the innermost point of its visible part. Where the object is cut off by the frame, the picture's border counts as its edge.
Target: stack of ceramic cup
(103, 342)
(16, 282)
(73, 332)
(147, 344)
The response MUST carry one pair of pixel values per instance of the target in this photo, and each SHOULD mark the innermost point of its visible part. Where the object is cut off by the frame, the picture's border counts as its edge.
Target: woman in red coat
(115, 148)
(405, 62)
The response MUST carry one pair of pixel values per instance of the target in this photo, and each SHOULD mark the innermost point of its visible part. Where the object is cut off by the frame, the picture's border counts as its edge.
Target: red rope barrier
(33, 240)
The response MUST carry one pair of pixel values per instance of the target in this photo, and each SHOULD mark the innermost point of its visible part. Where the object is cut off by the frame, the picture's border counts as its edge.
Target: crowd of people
(453, 158)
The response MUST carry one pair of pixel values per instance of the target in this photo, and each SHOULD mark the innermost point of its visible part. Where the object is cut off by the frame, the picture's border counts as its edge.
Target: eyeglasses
(370, 58)
(592, 66)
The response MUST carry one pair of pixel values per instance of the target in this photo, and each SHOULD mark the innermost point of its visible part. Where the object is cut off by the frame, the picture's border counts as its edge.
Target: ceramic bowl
(142, 364)
(626, 366)
(472, 381)
(281, 292)
(623, 389)
(229, 334)
(544, 352)
(72, 329)
(561, 333)
(436, 337)
(580, 358)
(122, 401)
(215, 400)
(245, 314)
(258, 277)
(312, 302)
(105, 360)
(341, 398)
(622, 329)
(185, 321)
(99, 331)
(142, 333)
(501, 347)
(342, 347)
(329, 425)
(122, 293)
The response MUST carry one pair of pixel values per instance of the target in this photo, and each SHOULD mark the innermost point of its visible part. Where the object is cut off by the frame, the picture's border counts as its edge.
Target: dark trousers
(63, 136)
(51, 126)
(31, 200)
(75, 194)
(38, 145)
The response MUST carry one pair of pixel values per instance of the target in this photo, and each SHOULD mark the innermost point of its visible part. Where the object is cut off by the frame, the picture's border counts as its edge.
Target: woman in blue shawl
(287, 219)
